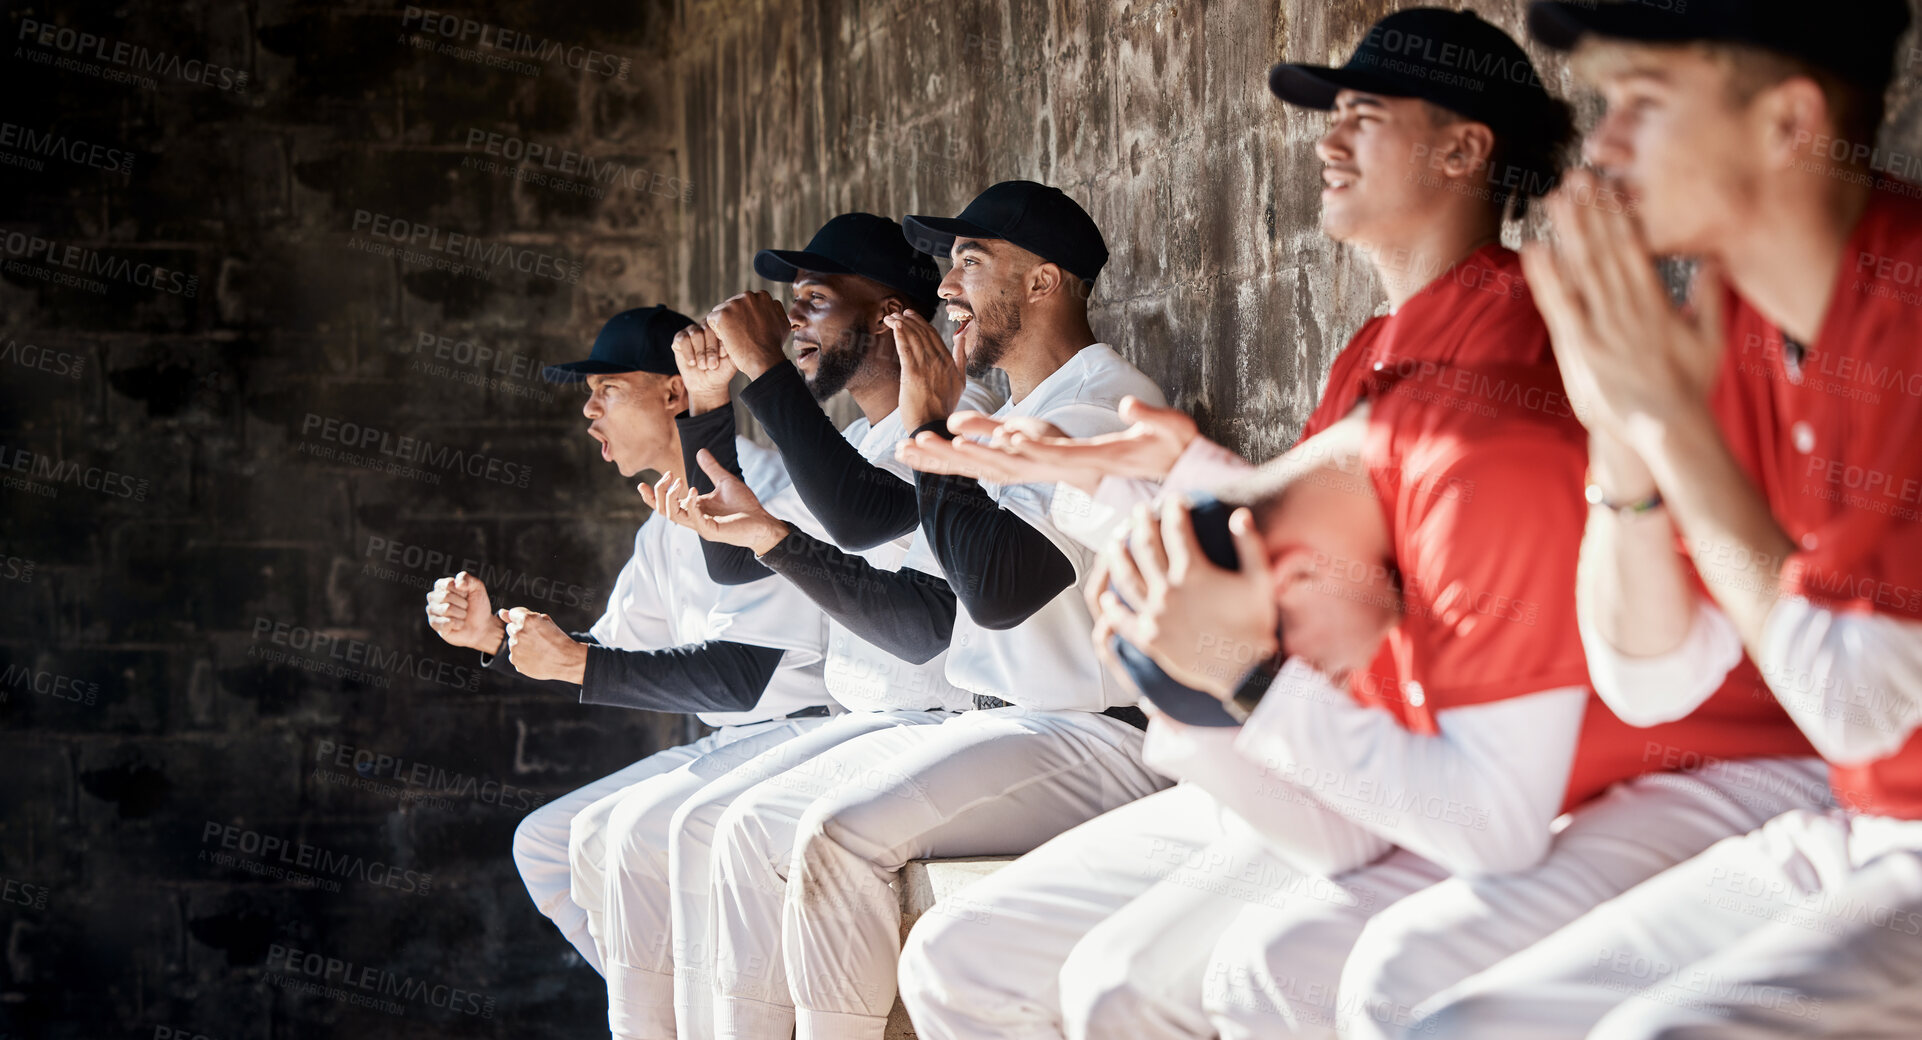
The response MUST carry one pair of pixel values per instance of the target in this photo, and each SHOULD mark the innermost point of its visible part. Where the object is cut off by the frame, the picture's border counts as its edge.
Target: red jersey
(1831, 433)
(1478, 312)
(1487, 539)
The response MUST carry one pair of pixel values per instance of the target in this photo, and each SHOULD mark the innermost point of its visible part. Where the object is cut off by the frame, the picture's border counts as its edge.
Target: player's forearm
(1476, 799)
(1735, 542)
(1632, 590)
(906, 612)
(859, 504)
(497, 659)
(714, 431)
(1852, 682)
(712, 676)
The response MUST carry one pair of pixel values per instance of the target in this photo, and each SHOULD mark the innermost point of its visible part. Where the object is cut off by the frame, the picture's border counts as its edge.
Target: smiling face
(839, 341)
(1384, 165)
(983, 292)
(632, 414)
(1677, 142)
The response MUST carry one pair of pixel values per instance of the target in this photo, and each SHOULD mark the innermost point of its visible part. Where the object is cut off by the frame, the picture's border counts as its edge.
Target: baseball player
(1281, 938)
(747, 660)
(802, 878)
(1771, 427)
(856, 270)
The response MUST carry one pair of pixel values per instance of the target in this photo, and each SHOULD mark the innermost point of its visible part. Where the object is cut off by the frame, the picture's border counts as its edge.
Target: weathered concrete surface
(734, 125)
(142, 702)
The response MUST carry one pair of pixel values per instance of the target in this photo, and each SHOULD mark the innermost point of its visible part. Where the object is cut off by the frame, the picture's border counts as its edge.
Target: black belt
(809, 713)
(1131, 716)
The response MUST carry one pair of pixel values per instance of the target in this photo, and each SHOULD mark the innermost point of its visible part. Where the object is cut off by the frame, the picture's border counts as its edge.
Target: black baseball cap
(1854, 39)
(1448, 58)
(859, 243)
(640, 340)
(1040, 219)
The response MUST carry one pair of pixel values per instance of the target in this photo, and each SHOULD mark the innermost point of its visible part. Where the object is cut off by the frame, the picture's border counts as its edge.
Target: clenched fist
(751, 326)
(458, 611)
(540, 650)
(705, 368)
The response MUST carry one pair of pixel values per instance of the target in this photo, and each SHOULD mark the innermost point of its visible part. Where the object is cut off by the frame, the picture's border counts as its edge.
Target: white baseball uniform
(655, 880)
(663, 598)
(802, 880)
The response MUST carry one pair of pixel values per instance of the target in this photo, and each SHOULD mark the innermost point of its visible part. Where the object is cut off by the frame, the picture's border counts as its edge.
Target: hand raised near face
(932, 373)
(705, 368)
(751, 326)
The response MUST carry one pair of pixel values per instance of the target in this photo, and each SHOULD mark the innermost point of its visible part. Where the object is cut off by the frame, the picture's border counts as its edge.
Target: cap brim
(936, 235)
(1315, 86)
(780, 265)
(1560, 26)
(575, 371)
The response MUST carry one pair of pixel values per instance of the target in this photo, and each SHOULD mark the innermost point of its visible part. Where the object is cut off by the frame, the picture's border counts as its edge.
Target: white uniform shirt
(859, 674)
(664, 598)
(1047, 662)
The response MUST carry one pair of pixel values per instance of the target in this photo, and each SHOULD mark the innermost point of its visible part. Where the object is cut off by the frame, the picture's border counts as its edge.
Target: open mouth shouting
(962, 317)
(806, 351)
(607, 446)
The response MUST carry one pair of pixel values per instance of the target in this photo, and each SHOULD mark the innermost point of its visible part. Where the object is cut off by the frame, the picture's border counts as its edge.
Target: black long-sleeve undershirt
(711, 676)
(905, 612)
(1011, 570)
(726, 564)
(859, 504)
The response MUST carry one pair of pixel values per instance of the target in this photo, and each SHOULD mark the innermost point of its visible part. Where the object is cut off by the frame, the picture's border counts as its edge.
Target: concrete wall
(1155, 116)
(176, 492)
(231, 509)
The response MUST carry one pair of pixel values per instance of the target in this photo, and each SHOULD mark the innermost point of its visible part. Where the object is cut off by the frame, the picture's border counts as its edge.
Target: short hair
(924, 308)
(1855, 111)
(1528, 159)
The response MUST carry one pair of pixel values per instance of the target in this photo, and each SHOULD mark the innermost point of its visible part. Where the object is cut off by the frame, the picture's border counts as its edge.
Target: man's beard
(833, 371)
(988, 347)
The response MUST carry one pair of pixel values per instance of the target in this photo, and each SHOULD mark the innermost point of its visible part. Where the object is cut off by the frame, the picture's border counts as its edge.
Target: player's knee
(1099, 997)
(1464, 1017)
(1655, 1020)
(1379, 986)
(696, 820)
(541, 838)
(923, 976)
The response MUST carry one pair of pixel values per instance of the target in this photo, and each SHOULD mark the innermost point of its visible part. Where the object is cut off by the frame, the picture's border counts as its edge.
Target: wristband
(1254, 686)
(1647, 504)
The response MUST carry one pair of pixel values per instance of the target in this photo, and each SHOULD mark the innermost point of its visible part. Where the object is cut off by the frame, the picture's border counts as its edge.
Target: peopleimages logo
(333, 972)
(482, 35)
(409, 237)
(415, 450)
(84, 261)
(29, 141)
(127, 55)
(67, 471)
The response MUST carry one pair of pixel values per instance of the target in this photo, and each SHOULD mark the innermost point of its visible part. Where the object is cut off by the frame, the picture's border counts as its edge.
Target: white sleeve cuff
(1203, 465)
(1852, 682)
(1091, 519)
(1649, 691)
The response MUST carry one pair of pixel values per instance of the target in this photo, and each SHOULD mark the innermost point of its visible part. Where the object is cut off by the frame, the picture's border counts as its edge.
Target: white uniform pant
(1151, 921)
(808, 929)
(541, 840)
(1810, 926)
(657, 880)
(1415, 951)
(644, 810)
